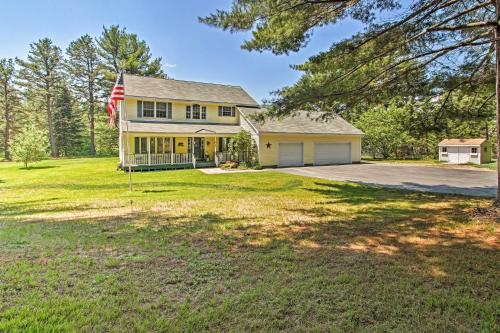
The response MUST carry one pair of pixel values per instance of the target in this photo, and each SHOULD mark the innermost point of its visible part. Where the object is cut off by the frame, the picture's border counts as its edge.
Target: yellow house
(169, 123)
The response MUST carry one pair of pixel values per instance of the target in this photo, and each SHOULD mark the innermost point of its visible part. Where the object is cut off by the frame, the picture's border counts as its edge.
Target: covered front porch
(153, 152)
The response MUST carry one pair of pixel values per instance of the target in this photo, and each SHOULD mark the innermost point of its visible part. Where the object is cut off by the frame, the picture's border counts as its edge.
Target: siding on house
(179, 112)
(269, 156)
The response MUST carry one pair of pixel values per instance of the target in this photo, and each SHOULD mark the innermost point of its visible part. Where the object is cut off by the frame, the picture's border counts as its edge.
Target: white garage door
(332, 153)
(458, 155)
(291, 154)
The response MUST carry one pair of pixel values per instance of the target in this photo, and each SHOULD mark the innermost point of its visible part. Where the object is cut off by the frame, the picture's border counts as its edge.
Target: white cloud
(170, 65)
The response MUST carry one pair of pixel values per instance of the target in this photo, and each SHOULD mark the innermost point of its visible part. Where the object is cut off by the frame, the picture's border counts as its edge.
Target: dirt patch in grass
(490, 213)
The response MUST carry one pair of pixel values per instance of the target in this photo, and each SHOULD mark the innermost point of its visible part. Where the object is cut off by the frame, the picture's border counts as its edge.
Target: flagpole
(129, 166)
(122, 113)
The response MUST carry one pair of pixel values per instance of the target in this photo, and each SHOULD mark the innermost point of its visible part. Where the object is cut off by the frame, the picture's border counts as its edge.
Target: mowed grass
(237, 252)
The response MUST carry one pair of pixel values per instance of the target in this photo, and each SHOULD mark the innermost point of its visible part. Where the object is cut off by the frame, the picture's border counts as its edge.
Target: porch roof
(179, 128)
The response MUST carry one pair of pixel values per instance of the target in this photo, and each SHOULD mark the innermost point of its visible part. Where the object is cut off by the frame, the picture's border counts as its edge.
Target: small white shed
(463, 151)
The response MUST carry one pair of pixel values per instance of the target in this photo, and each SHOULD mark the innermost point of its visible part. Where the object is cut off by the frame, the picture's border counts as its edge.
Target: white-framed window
(149, 109)
(141, 145)
(474, 150)
(227, 111)
(444, 150)
(196, 111)
(157, 145)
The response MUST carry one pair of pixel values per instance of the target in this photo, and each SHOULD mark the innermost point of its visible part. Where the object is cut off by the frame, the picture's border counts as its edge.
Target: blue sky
(190, 50)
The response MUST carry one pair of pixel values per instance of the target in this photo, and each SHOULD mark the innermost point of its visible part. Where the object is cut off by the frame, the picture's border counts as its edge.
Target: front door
(199, 148)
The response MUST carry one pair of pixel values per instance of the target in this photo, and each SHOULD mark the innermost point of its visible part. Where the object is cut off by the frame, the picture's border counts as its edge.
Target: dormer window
(227, 111)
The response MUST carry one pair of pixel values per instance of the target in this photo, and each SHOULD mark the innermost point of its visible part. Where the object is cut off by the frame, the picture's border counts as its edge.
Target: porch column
(171, 150)
(149, 150)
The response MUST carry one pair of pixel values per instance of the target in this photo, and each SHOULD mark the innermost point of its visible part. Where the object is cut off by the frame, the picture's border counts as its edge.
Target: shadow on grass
(41, 167)
(157, 191)
(286, 186)
(356, 259)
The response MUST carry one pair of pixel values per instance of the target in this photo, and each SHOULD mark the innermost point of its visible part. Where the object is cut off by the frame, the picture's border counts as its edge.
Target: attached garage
(291, 154)
(326, 153)
(302, 139)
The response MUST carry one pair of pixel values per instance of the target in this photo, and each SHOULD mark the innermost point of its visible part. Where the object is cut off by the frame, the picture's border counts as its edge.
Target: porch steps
(205, 165)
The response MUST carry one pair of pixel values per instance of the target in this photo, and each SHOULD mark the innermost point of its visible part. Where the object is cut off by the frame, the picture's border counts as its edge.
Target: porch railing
(159, 159)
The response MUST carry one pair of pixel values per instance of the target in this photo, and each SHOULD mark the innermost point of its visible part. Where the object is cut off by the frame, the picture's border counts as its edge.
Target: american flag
(117, 94)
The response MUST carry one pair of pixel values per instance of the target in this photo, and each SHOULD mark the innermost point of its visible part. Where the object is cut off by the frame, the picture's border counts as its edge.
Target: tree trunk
(92, 119)
(6, 133)
(52, 137)
(497, 51)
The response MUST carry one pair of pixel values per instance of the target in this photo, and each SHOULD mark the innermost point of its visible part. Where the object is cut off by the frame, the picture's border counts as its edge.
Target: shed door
(464, 155)
(453, 155)
(459, 155)
(290, 154)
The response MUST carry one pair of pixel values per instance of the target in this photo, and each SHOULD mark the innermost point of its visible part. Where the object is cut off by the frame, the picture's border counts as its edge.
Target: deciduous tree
(438, 37)
(29, 145)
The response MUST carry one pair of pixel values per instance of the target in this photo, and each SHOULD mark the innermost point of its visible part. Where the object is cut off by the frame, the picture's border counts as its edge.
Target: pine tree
(121, 50)
(40, 74)
(9, 102)
(68, 125)
(85, 71)
(436, 37)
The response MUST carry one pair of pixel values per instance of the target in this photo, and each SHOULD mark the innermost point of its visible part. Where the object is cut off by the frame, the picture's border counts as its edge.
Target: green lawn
(237, 252)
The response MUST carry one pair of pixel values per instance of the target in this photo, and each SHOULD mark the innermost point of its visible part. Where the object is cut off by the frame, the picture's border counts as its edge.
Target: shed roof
(462, 142)
(179, 128)
(139, 86)
(301, 123)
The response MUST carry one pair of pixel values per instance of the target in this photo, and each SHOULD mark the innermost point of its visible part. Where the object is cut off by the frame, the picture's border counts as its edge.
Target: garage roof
(301, 123)
(139, 86)
(179, 128)
(462, 142)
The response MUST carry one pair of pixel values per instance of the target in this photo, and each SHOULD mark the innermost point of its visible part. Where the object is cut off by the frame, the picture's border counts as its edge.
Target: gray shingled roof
(139, 86)
(301, 123)
(179, 128)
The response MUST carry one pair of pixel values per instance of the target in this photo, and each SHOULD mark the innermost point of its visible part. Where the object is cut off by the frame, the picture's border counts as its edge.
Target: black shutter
(139, 109)
(233, 112)
(169, 110)
(220, 111)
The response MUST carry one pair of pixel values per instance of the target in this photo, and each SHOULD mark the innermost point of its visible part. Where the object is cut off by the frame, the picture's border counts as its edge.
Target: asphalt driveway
(412, 177)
